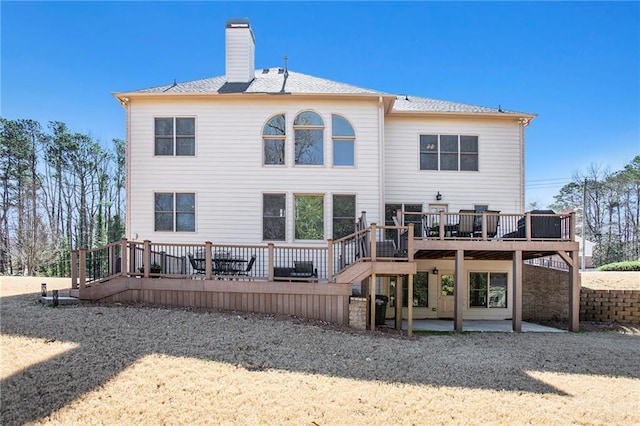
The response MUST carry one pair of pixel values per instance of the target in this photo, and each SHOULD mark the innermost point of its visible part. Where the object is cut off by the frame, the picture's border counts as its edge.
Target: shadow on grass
(111, 338)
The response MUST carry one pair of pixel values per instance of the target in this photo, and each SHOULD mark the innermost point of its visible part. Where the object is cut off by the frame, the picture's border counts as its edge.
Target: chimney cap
(238, 23)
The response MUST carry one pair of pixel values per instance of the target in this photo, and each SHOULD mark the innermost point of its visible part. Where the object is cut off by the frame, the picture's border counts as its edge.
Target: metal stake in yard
(55, 297)
(43, 289)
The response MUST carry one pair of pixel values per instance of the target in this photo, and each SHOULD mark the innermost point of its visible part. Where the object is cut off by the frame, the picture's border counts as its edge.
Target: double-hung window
(488, 289)
(449, 152)
(175, 212)
(273, 136)
(344, 215)
(274, 219)
(175, 136)
(343, 141)
(309, 145)
(309, 223)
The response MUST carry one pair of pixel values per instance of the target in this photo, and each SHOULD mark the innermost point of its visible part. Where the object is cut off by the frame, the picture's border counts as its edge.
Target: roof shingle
(279, 81)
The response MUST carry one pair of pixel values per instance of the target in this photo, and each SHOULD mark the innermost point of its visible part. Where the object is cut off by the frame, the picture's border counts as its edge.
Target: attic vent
(265, 71)
(280, 71)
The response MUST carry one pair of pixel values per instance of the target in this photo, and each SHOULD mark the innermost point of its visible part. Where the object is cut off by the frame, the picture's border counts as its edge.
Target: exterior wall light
(435, 271)
(438, 196)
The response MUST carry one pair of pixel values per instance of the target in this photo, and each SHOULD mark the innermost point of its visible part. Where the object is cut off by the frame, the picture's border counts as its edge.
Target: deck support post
(373, 246)
(372, 302)
(83, 268)
(132, 257)
(516, 314)
(74, 269)
(574, 293)
(458, 285)
(270, 261)
(410, 305)
(207, 259)
(398, 322)
(147, 258)
(330, 260)
(123, 257)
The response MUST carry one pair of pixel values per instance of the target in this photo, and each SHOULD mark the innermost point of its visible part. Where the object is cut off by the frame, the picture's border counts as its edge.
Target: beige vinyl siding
(496, 183)
(227, 174)
(470, 313)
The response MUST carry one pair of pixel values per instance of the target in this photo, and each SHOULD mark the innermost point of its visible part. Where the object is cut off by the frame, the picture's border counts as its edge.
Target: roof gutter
(510, 115)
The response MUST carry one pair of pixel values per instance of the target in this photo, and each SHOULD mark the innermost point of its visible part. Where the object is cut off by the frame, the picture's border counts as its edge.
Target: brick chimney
(240, 51)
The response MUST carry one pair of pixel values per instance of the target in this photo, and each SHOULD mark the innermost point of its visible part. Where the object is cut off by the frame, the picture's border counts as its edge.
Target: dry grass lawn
(143, 365)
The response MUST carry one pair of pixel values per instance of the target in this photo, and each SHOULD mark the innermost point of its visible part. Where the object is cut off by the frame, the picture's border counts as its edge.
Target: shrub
(632, 265)
(155, 268)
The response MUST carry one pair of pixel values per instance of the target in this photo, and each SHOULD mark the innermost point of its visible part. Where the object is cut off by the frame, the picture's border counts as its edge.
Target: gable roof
(279, 81)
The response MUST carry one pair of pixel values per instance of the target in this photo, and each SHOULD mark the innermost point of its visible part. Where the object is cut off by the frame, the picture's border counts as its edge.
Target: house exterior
(269, 155)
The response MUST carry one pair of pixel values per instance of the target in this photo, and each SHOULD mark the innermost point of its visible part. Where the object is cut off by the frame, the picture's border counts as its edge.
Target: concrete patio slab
(504, 326)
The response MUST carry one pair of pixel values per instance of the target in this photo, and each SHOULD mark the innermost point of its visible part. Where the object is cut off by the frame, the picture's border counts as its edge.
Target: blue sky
(576, 65)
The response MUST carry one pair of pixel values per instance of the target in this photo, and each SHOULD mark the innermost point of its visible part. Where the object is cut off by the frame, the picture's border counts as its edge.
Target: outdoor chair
(493, 219)
(247, 270)
(465, 224)
(198, 265)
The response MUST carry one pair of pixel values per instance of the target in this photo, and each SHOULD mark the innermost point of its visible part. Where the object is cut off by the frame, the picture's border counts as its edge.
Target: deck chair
(493, 219)
(465, 224)
(247, 270)
(198, 265)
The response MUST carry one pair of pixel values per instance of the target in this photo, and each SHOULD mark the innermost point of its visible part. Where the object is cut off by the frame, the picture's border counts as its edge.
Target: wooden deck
(116, 273)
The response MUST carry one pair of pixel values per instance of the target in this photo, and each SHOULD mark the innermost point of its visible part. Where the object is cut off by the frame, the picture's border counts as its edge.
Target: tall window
(273, 136)
(175, 212)
(175, 136)
(309, 223)
(344, 215)
(448, 152)
(488, 289)
(274, 219)
(343, 141)
(308, 127)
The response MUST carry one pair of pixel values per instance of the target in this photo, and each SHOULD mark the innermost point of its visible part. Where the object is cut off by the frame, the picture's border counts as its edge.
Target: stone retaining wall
(545, 297)
(545, 294)
(610, 305)
(358, 313)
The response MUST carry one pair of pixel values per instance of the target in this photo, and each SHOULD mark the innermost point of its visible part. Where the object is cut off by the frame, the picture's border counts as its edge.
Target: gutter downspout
(126, 104)
(381, 163)
(522, 123)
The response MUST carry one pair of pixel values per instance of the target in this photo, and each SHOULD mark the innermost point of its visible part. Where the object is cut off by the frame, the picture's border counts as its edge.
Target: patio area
(504, 326)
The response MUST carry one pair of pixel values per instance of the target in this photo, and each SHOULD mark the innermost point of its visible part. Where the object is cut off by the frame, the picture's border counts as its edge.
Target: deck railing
(491, 225)
(272, 262)
(314, 263)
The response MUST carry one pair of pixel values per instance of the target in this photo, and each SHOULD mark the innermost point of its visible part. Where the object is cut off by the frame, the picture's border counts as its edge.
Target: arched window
(273, 136)
(343, 141)
(308, 127)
